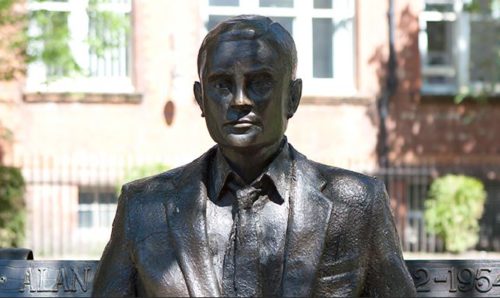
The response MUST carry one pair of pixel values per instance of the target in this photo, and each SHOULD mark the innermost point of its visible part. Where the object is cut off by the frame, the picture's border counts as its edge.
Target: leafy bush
(139, 172)
(452, 210)
(12, 208)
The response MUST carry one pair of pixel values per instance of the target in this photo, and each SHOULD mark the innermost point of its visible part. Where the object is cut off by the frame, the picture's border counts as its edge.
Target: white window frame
(459, 70)
(95, 208)
(78, 22)
(343, 82)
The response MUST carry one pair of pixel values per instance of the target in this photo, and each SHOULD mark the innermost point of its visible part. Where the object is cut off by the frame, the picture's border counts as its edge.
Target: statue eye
(222, 85)
(261, 84)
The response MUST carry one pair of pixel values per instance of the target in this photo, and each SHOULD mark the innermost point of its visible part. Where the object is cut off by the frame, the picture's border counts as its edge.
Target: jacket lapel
(308, 220)
(186, 217)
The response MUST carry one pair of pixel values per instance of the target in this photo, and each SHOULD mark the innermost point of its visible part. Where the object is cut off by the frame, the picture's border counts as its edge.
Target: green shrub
(12, 207)
(139, 172)
(452, 210)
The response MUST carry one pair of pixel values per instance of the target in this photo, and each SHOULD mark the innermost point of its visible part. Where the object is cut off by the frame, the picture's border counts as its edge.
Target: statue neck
(249, 163)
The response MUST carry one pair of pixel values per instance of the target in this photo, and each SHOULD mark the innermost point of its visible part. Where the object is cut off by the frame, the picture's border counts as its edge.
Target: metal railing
(70, 201)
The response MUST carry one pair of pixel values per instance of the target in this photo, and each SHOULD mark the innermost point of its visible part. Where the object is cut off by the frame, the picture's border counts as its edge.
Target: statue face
(244, 94)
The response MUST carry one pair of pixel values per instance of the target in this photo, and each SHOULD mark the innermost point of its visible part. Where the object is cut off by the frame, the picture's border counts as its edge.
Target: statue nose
(241, 100)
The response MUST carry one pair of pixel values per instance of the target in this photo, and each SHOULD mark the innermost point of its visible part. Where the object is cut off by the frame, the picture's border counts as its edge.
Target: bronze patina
(252, 216)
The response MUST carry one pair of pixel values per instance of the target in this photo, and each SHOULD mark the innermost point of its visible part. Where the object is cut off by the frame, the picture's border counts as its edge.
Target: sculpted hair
(251, 27)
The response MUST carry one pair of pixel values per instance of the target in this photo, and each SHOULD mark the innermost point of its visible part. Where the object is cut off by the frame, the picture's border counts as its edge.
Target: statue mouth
(242, 124)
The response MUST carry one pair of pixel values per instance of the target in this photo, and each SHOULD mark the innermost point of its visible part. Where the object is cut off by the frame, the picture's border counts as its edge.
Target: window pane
(322, 48)
(440, 80)
(322, 3)
(436, 36)
(440, 69)
(109, 48)
(276, 3)
(49, 24)
(104, 52)
(106, 216)
(224, 2)
(439, 43)
(85, 219)
(441, 7)
(484, 64)
(484, 7)
(107, 198)
(85, 198)
(213, 20)
(286, 22)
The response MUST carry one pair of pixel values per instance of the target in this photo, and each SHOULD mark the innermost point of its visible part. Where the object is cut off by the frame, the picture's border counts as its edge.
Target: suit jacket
(341, 238)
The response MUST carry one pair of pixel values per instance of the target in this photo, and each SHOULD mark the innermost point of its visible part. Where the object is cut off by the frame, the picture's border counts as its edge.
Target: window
(96, 208)
(459, 44)
(98, 51)
(323, 33)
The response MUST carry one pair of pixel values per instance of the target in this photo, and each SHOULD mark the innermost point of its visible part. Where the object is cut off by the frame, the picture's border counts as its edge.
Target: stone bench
(21, 276)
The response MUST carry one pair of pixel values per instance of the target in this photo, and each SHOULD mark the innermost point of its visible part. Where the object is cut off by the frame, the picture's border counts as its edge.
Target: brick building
(441, 50)
(73, 137)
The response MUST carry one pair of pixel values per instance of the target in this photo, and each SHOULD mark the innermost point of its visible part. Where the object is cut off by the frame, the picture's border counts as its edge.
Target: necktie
(241, 261)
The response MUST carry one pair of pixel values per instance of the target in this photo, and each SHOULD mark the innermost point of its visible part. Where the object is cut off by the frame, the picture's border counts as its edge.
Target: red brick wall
(424, 129)
(166, 37)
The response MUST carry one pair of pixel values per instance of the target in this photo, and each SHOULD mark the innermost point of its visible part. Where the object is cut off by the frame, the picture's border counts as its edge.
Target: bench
(21, 276)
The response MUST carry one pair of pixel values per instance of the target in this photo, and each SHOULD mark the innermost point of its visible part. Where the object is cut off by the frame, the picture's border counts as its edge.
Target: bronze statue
(252, 216)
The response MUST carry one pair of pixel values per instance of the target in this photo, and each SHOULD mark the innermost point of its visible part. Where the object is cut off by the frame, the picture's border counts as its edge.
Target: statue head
(251, 27)
(247, 89)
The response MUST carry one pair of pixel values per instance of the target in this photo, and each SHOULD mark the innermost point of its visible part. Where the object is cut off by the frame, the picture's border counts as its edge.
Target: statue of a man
(252, 216)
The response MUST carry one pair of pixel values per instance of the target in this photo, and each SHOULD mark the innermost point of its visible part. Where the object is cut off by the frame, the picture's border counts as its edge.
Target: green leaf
(453, 208)
(12, 207)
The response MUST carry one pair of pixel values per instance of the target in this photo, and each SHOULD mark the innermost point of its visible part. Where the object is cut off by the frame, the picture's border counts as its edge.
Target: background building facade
(76, 137)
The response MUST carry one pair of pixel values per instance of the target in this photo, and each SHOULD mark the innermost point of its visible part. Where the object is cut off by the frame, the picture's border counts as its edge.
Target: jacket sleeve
(387, 275)
(115, 276)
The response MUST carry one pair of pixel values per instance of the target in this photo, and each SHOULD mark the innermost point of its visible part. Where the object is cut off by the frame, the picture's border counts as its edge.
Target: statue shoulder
(151, 184)
(157, 187)
(350, 186)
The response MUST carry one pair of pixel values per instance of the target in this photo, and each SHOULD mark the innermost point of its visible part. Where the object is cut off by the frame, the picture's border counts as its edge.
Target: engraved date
(457, 279)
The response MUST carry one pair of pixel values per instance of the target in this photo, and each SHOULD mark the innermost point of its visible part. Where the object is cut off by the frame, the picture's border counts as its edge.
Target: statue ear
(295, 95)
(198, 96)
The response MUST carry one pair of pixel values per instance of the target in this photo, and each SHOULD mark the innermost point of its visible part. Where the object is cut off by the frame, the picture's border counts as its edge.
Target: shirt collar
(278, 171)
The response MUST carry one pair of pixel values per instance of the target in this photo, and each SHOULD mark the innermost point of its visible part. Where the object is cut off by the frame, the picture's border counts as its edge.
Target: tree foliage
(452, 211)
(114, 23)
(12, 209)
(5, 134)
(51, 42)
(13, 40)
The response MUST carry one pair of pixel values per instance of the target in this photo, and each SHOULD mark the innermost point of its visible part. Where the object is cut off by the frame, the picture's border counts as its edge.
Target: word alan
(33, 278)
(54, 280)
